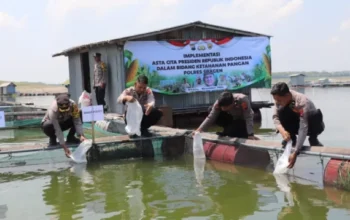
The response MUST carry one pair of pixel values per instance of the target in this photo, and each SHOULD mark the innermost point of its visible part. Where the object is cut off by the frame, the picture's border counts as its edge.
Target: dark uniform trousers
(290, 121)
(49, 130)
(149, 120)
(232, 127)
(100, 95)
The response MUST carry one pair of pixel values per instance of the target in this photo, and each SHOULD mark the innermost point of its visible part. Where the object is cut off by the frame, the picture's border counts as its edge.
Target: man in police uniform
(100, 76)
(233, 112)
(295, 114)
(144, 95)
(63, 114)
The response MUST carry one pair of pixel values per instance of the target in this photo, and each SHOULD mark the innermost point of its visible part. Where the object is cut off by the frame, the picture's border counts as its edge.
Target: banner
(177, 67)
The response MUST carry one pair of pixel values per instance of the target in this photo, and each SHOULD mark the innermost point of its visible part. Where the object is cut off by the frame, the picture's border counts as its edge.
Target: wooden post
(93, 131)
(93, 126)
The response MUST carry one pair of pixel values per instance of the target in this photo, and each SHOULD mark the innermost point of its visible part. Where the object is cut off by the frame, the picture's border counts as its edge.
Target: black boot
(223, 133)
(73, 140)
(53, 141)
(315, 142)
(133, 136)
(71, 137)
(145, 133)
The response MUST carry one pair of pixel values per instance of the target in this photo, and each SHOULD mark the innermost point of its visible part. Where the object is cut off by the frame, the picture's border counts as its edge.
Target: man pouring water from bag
(144, 95)
(295, 114)
(232, 112)
(63, 114)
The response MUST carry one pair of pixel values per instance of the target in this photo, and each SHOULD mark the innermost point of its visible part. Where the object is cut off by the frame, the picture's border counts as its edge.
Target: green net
(22, 123)
(111, 151)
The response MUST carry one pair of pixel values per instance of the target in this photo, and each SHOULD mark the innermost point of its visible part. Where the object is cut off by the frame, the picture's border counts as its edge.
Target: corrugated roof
(299, 74)
(134, 37)
(6, 84)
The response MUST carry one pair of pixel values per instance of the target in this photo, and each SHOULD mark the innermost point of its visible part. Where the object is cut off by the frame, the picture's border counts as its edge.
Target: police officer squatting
(296, 115)
(63, 114)
(144, 95)
(232, 112)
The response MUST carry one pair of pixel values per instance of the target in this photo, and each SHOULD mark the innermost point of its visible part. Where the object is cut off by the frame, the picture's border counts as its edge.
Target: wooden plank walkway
(25, 113)
(161, 133)
(166, 132)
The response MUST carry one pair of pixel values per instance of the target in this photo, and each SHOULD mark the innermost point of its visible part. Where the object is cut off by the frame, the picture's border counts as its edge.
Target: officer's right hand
(194, 132)
(66, 151)
(285, 135)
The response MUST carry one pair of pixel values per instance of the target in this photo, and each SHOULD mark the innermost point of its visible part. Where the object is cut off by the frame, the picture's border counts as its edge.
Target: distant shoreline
(43, 89)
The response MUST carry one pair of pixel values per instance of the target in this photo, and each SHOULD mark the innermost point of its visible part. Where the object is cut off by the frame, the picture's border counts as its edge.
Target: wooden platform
(165, 132)
(161, 133)
(116, 124)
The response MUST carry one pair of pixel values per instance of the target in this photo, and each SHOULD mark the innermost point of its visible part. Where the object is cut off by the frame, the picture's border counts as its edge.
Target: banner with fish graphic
(177, 67)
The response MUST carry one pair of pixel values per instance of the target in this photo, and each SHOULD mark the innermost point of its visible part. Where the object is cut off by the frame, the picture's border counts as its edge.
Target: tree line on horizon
(312, 74)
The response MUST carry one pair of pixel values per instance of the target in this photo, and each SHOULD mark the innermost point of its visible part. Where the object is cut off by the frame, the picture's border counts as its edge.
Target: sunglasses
(64, 108)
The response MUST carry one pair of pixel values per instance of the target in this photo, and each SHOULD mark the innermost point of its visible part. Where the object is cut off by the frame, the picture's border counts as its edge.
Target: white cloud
(334, 39)
(7, 20)
(255, 14)
(289, 8)
(159, 11)
(345, 25)
(164, 2)
(58, 9)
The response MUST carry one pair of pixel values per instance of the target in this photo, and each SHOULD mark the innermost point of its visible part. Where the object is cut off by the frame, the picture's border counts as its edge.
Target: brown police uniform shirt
(242, 110)
(100, 73)
(302, 106)
(145, 98)
(56, 117)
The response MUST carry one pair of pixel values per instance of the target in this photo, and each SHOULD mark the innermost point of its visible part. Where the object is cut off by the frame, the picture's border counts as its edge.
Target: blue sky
(307, 34)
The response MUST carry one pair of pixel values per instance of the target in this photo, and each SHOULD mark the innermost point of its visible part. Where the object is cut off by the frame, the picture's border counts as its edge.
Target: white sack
(282, 163)
(79, 155)
(198, 151)
(85, 99)
(133, 116)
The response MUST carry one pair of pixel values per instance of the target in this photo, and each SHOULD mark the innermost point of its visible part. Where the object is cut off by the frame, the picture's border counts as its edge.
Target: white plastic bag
(198, 151)
(79, 155)
(198, 166)
(282, 163)
(284, 185)
(85, 99)
(133, 116)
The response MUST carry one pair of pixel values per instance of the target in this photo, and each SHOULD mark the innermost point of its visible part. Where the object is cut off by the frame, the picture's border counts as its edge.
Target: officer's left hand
(253, 138)
(148, 109)
(82, 138)
(292, 160)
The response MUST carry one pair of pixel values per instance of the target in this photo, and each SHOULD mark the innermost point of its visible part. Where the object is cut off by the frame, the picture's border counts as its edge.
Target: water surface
(144, 189)
(52, 188)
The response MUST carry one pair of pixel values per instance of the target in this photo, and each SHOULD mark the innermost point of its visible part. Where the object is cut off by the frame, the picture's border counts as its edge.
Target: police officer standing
(295, 114)
(233, 112)
(100, 76)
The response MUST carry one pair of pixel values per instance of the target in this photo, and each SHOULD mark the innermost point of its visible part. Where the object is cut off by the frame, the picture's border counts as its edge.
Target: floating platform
(171, 143)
